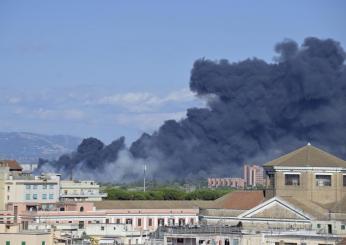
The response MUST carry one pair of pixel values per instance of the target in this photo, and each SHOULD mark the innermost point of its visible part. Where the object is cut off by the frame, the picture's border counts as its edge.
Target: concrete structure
(309, 174)
(253, 175)
(237, 183)
(305, 192)
(12, 165)
(17, 186)
(140, 215)
(222, 235)
(12, 235)
(74, 190)
(33, 190)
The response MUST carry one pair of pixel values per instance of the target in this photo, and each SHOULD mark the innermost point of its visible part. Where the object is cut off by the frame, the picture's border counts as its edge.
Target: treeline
(164, 194)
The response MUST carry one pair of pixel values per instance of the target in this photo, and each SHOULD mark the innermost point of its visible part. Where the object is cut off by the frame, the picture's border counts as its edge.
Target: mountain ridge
(27, 147)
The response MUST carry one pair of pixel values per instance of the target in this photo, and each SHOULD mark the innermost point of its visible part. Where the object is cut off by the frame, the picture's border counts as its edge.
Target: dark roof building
(13, 165)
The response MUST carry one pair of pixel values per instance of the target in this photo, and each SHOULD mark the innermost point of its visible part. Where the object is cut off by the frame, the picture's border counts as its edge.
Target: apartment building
(36, 190)
(74, 190)
(237, 183)
(12, 235)
(253, 175)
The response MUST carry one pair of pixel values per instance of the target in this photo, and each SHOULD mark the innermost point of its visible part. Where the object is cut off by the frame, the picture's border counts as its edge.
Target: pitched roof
(307, 156)
(12, 164)
(308, 206)
(151, 204)
(240, 200)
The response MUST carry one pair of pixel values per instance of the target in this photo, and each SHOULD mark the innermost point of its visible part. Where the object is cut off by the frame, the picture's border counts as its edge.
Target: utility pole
(145, 170)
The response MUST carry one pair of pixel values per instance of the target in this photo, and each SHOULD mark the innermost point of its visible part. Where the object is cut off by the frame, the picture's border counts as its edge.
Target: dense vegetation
(115, 193)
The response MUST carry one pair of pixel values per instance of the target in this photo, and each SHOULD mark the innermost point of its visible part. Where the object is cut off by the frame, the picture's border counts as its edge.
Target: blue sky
(113, 68)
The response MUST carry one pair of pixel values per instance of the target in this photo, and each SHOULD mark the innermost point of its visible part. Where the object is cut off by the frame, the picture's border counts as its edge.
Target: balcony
(83, 195)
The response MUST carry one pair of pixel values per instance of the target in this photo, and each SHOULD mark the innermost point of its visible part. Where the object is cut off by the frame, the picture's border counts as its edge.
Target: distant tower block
(253, 175)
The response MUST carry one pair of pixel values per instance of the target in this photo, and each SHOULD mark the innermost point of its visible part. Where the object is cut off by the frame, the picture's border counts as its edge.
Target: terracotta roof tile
(241, 200)
(12, 164)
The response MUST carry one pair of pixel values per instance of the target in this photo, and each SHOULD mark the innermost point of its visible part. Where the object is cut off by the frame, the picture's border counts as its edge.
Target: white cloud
(69, 114)
(145, 102)
(147, 121)
(14, 100)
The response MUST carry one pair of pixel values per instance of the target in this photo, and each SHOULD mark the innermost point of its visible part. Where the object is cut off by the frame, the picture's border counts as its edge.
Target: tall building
(86, 190)
(253, 175)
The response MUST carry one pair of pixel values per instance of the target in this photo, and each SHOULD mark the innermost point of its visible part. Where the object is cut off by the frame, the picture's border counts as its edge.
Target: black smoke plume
(255, 111)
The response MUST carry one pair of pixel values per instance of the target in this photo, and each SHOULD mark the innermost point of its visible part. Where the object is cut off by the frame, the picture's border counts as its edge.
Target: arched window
(81, 209)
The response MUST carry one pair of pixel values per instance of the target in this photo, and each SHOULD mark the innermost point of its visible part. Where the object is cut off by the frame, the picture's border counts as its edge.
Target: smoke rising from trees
(255, 111)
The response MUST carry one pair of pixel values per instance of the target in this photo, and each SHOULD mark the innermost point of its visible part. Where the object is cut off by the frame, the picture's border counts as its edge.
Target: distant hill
(28, 147)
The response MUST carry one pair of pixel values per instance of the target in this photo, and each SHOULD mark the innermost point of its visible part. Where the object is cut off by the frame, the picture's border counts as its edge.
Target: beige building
(17, 186)
(75, 190)
(310, 174)
(12, 235)
(305, 192)
(25, 188)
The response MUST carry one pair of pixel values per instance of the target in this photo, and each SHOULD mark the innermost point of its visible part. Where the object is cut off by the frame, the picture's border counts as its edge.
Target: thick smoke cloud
(256, 111)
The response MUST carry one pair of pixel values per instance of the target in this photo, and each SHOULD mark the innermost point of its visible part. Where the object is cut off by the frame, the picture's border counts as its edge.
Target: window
(43, 243)
(118, 221)
(51, 186)
(128, 221)
(192, 221)
(8, 188)
(27, 187)
(139, 222)
(235, 242)
(150, 222)
(318, 226)
(23, 243)
(34, 196)
(8, 243)
(102, 228)
(44, 187)
(160, 222)
(170, 221)
(344, 179)
(51, 196)
(343, 227)
(292, 179)
(323, 180)
(44, 196)
(35, 187)
(81, 209)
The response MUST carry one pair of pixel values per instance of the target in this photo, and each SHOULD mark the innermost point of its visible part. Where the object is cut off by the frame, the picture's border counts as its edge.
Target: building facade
(237, 183)
(309, 174)
(42, 189)
(253, 175)
(74, 190)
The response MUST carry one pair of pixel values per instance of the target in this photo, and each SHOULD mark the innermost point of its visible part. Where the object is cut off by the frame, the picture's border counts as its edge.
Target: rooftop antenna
(144, 175)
